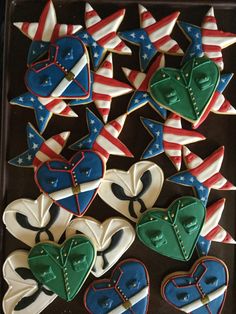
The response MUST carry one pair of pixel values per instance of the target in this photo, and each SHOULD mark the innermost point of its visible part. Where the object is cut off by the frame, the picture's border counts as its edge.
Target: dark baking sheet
(220, 130)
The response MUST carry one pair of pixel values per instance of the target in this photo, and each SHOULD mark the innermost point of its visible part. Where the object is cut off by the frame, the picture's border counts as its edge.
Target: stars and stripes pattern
(101, 34)
(207, 40)
(218, 103)
(44, 108)
(104, 88)
(153, 36)
(203, 175)
(211, 230)
(103, 138)
(140, 81)
(169, 138)
(39, 149)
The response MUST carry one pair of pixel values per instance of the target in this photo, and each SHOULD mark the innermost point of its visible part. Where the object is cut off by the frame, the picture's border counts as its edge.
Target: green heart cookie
(187, 91)
(63, 268)
(173, 232)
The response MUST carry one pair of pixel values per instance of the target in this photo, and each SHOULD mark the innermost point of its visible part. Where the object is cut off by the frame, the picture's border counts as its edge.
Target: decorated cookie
(211, 230)
(169, 138)
(112, 238)
(40, 150)
(45, 31)
(203, 175)
(173, 232)
(153, 36)
(63, 268)
(25, 295)
(103, 88)
(71, 184)
(103, 138)
(100, 35)
(201, 290)
(34, 221)
(127, 290)
(63, 73)
(207, 40)
(218, 103)
(186, 91)
(44, 108)
(132, 192)
(140, 81)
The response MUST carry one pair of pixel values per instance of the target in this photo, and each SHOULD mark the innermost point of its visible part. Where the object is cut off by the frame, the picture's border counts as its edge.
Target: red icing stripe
(116, 125)
(225, 106)
(146, 15)
(41, 25)
(107, 65)
(190, 157)
(66, 111)
(175, 159)
(105, 39)
(132, 76)
(227, 186)
(90, 14)
(209, 19)
(59, 139)
(181, 132)
(55, 33)
(211, 235)
(161, 41)
(120, 46)
(217, 59)
(168, 145)
(52, 104)
(174, 49)
(25, 27)
(216, 33)
(107, 81)
(168, 19)
(212, 180)
(100, 149)
(98, 96)
(212, 209)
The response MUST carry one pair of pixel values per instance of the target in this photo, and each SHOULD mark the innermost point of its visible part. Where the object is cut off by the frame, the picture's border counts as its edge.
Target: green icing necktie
(175, 231)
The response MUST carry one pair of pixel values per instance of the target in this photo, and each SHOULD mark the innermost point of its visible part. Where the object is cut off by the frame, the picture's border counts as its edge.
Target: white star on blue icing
(203, 246)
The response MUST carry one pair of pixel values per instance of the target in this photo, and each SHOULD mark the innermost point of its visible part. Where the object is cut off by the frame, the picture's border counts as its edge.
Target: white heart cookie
(111, 239)
(34, 221)
(134, 191)
(24, 295)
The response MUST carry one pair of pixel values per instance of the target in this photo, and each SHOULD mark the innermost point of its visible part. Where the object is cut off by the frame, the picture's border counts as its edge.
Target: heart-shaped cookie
(187, 91)
(63, 268)
(201, 290)
(132, 192)
(173, 232)
(34, 221)
(111, 239)
(71, 184)
(64, 74)
(127, 290)
(25, 295)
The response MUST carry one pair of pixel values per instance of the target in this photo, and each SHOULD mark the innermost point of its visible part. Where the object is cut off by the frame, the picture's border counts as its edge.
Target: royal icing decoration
(203, 175)
(45, 31)
(218, 103)
(211, 230)
(34, 221)
(25, 295)
(173, 232)
(63, 268)
(104, 87)
(39, 149)
(112, 238)
(44, 108)
(207, 40)
(72, 184)
(132, 192)
(140, 82)
(188, 91)
(101, 34)
(127, 290)
(169, 138)
(103, 138)
(153, 36)
(64, 73)
(201, 290)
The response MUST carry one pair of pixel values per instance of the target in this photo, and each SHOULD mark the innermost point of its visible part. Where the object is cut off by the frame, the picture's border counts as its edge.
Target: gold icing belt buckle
(127, 304)
(70, 76)
(76, 189)
(205, 300)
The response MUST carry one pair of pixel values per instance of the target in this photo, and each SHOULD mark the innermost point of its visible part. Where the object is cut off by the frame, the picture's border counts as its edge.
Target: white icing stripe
(220, 182)
(140, 77)
(41, 156)
(179, 139)
(212, 169)
(133, 300)
(65, 83)
(198, 303)
(168, 45)
(63, 30)
(210, 25)
(110, 129)
(113, 91)
(113, 42)
(32, 30)
(213, 54)
(108, 146)
(174, 123)
(84, 187)
(212, 221)
(54, 145)
(58, 108)
(107, 29)
(103, 104)
(50, 23)
(173, 152)
(218, 41)
(160, 32)
(218, 103)
(220, 235)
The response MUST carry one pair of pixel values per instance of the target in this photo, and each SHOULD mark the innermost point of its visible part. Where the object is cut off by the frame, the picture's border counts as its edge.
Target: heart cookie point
(173, 232)
(63, 268)
(188, 91)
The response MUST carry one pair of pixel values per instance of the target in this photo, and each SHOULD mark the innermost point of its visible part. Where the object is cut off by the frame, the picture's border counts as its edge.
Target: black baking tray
(220, 130)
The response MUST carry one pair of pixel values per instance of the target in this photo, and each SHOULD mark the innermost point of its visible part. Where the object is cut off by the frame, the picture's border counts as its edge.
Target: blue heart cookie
(71, 184)
(127, 291)
(64, 74)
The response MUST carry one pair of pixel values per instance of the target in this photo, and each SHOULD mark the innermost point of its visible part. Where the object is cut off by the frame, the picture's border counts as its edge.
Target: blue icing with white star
(203, 246)
(224, 81)
(147, 49)
(34, 141)
(186, 178)
(95, 126)
(37, 49)
(193, 32)
(31, 101)
(97, 51)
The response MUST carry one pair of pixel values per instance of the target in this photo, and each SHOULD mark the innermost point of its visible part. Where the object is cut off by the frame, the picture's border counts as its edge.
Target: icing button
(183, 296)
(105, 303)
(190, 225)
(171, 96)
(53, 182)
(158, 239)
(47, 273)
(133, 284)
(46, 81)
(212, 281)
(79, 262)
